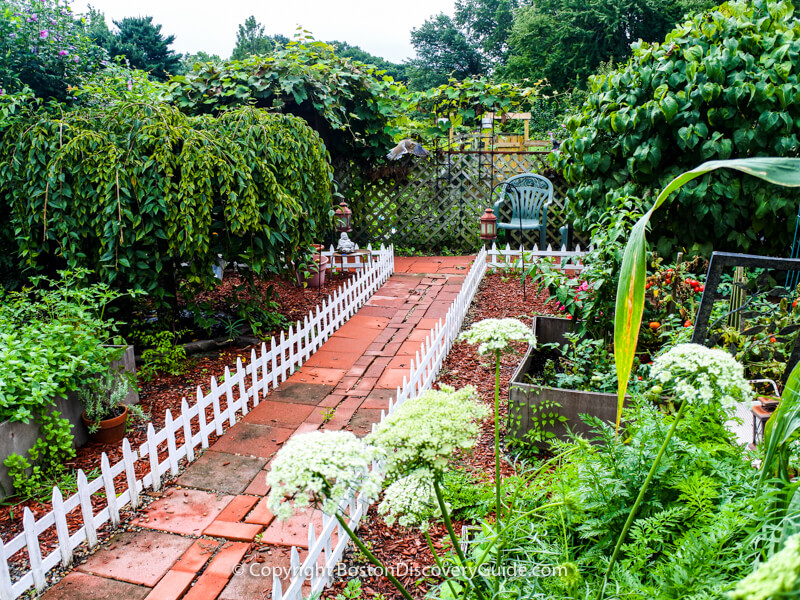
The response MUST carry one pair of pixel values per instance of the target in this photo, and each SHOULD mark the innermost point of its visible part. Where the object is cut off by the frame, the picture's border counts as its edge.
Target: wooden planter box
(525, 402)
(551, 330)
(19, 438)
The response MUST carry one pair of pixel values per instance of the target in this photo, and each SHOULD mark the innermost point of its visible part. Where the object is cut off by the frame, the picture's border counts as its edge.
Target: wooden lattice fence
(435, 203)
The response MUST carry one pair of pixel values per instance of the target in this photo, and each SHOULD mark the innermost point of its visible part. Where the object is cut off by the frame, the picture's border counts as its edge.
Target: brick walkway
(192, 538)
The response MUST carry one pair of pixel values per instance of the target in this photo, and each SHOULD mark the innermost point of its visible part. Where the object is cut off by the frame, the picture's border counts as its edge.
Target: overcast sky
(380, 27)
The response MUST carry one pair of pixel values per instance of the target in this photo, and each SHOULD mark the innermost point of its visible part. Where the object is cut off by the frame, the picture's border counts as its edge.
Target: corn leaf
(631, 286)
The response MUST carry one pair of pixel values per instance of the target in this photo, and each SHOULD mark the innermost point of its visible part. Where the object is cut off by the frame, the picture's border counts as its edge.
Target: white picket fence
(508, 258)
(242, 390)
(323, 556)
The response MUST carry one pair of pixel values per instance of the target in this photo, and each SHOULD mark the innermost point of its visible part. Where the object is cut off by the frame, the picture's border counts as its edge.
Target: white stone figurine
(345, 245)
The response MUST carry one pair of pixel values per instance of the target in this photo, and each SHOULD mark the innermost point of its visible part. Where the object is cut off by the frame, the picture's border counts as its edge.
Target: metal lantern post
(343, 216)
(488, 225)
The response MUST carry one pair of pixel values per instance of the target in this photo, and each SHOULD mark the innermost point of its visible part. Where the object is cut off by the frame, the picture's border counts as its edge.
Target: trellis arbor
(436, 203)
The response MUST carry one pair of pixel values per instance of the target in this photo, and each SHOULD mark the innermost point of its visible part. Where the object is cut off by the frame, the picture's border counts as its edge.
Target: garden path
(189, 542)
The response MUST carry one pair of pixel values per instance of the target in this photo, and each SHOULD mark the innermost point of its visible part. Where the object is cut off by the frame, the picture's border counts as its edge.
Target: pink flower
(130, 84)
(43, 34)
(62, 52)
(562, 308)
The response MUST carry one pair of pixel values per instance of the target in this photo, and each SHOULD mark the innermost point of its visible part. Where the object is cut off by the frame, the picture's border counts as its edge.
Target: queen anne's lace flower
(411, 501)
(775, 578)
(425, 431)
(320, 468)
(701, 375)
(493, 335)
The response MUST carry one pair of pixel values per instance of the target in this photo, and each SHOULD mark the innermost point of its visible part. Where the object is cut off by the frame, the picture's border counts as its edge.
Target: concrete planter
(528, 401)
(19, 438)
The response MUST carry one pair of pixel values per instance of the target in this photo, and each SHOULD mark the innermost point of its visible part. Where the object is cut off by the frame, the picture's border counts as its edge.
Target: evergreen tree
(251, 40)
(142, 43)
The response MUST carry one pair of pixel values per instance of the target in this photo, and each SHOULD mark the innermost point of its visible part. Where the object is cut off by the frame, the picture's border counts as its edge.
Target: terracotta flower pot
(316, 272)
(111, 430)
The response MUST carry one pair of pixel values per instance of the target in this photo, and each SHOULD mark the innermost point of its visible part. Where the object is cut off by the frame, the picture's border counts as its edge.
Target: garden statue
(405, 147)
(345, 245)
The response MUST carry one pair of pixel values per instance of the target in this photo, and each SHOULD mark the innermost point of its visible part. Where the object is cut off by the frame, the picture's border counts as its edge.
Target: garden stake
(639, 499)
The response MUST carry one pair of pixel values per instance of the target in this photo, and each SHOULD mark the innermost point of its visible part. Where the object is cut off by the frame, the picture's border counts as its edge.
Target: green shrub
(45, 48)
(50, 340)
(722, 85)
(346, 101)
(145, 196)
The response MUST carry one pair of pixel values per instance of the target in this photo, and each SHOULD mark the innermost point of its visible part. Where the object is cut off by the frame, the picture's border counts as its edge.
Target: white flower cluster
(701, 375)
(775, 578)
(411, 501)
(425, 431)
(493, 335)
(320, 467)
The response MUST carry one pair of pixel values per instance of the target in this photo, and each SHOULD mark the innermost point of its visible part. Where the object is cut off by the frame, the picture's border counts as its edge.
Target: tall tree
(486, 25)
(565, 41)
(443, 51)
(251, 40)
(470, 43)
(142, 43)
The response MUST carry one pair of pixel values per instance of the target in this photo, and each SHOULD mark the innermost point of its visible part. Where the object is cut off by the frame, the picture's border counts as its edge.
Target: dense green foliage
(146, 196)
(566, 41)
(140, 41)
(44, 49)
(443, 52)
(722, 85)
(341, 99)
(51, 338)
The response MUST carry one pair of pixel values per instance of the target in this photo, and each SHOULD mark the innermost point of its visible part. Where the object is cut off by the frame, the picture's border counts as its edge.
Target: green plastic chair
(530, 196)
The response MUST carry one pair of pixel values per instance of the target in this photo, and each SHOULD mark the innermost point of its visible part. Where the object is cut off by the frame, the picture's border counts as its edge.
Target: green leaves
(631, 287)
(144, 194)
(714, 89)
(305, 77)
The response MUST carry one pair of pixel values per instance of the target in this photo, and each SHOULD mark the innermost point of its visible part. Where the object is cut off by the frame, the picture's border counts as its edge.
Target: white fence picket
(265, 371)
(422, 373)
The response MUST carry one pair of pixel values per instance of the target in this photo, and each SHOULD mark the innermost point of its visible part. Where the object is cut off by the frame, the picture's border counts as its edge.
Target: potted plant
(105, 412)
(311, 270)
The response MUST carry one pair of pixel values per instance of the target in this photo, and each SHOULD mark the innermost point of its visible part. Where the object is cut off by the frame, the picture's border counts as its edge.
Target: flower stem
(639, 499)
(448, 523)
(373, 559)
(451, 532)
(498, 483)
(498, 507)
(439, 563)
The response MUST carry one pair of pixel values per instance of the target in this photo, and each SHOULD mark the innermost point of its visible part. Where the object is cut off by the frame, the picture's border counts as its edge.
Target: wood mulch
(499, 296)
(162, 393)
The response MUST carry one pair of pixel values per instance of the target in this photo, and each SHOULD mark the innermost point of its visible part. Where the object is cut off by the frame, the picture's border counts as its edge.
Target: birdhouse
(343, 216)
(488, 225)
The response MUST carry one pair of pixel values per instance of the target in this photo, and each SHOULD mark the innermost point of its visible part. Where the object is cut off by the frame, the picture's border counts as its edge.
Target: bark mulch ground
(162, 393)
(499, 296)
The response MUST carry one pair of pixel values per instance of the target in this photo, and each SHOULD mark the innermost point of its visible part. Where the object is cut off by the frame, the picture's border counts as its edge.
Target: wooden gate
(436, 202)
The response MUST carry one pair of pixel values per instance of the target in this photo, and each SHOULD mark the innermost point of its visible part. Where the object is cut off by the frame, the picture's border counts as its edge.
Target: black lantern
(343, 216)
(488, 226)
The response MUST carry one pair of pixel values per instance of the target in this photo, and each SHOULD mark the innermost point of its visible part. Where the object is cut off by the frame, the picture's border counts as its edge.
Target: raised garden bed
(540, 413)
